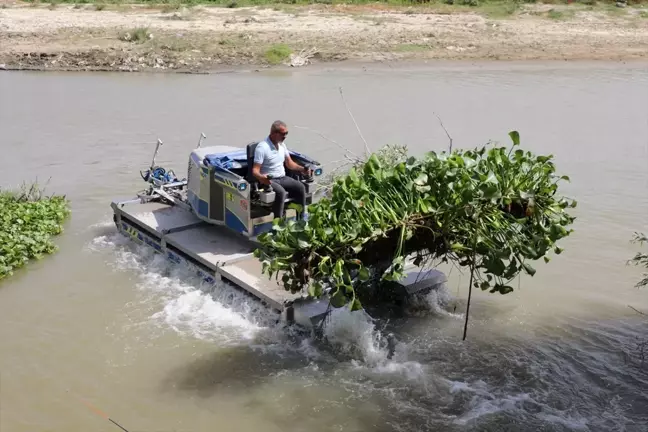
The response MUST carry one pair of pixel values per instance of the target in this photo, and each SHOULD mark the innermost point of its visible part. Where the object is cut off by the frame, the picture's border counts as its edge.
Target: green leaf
(519, 154)
(355, 306)
(504, 289)
(527, 268)
(496, 267)
(457, 247)
(338, 299)
(491, 178)
(543, 159)
(515, 137)
(315, 289)
(363, 274)
(421, 180)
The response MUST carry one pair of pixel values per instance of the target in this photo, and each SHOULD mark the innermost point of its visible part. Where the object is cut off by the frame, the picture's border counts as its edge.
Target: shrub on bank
(28, 220)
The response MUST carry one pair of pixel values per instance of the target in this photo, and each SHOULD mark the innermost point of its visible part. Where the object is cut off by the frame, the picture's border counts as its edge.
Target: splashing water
(224, 314)
(432, 379)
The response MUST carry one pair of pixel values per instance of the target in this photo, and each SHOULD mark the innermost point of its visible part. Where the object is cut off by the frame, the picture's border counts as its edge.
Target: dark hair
(276, 125)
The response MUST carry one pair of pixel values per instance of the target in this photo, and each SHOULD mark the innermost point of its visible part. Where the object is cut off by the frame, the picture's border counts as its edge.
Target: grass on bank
(277, 54)
(505, 5)
(28, 221)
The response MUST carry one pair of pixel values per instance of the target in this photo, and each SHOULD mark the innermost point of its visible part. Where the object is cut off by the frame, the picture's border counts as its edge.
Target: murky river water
(105, 322)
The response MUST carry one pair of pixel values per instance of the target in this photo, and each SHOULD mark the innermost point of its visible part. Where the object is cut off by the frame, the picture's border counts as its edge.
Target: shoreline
(210, 40)
(369, 66)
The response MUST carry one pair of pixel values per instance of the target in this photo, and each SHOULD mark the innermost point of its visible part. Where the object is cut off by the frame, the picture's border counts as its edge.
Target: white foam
(486, 401)
(481, 406)
(354, 334)
(187, 305)
(197, 314)
(104, 223)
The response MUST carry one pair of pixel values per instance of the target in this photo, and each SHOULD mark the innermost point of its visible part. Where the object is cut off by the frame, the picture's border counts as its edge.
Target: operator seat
(255, 186)
(250, 163)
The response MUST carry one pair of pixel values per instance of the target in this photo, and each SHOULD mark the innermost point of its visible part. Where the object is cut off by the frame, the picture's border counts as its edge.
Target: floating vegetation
(492, 209)
(28, 220)
(641, 258)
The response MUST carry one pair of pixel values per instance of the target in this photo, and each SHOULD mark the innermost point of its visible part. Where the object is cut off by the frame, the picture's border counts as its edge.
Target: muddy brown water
(108, 323)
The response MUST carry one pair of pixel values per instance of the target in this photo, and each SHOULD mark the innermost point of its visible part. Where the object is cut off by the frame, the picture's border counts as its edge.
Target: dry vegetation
(190, 37)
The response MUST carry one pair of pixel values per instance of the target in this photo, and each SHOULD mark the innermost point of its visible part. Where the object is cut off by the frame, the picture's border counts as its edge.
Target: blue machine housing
(221, 189)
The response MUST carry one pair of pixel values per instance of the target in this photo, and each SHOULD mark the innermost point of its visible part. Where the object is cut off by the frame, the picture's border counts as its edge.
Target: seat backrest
(250, 162)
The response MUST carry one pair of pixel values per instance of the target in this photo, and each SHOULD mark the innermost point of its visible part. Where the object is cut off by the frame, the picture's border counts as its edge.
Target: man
(271, 158)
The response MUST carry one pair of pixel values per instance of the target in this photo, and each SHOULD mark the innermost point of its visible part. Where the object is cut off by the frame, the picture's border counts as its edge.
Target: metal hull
(213, 253)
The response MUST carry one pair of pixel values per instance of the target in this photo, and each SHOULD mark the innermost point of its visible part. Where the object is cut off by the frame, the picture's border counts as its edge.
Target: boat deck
(226, 254)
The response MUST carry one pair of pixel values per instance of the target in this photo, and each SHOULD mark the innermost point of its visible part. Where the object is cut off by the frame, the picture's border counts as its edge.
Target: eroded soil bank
(202, 39)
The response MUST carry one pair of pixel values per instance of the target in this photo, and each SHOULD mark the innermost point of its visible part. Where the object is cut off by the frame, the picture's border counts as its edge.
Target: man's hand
(256, 172)
(308, 171)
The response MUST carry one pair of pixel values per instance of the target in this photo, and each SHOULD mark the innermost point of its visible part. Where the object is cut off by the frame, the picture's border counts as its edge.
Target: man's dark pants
(284, 187)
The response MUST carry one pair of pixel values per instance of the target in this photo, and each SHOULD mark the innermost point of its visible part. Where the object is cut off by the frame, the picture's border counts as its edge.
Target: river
(105, 323)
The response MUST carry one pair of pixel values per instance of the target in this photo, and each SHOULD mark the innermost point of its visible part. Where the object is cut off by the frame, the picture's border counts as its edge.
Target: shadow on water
(290, 390)
(234, 369)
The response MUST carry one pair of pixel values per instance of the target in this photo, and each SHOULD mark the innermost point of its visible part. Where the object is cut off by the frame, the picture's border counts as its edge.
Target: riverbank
(201, 38)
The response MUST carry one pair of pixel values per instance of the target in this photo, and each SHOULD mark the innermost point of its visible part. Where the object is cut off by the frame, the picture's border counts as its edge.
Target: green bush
(28, 220)
(278, 53)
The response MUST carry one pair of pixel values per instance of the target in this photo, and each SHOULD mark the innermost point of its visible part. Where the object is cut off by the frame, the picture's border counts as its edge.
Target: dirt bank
(91, 37)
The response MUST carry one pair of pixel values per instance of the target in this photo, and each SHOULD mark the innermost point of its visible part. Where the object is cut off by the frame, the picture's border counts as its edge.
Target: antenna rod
(202, 136)
(104, 415)
(157, 147)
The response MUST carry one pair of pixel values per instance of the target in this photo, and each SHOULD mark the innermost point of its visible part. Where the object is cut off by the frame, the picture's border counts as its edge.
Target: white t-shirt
(271, 158)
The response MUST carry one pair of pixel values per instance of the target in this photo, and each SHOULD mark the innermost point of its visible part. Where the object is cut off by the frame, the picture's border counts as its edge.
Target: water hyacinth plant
(493, 209)
(641, 258)
(28, 220)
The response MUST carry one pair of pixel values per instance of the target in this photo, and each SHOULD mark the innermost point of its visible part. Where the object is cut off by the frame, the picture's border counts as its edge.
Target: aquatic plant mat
(492, 209)
(28, 220)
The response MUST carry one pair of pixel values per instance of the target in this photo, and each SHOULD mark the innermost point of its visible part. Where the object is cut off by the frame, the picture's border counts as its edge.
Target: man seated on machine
(271, 158)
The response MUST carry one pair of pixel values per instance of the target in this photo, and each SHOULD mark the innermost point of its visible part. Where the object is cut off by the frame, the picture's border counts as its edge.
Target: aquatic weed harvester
(211, 222)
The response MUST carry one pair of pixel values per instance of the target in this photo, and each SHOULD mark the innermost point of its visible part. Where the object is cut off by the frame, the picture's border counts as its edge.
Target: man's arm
(259, 155)
(294, 166)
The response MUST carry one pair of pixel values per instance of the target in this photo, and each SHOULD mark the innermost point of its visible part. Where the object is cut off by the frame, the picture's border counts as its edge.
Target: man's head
(278, 132)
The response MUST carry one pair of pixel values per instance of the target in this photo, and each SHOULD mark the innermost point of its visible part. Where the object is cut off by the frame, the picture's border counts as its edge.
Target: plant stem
(446, 132)
(472, 275)
(367, 151)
